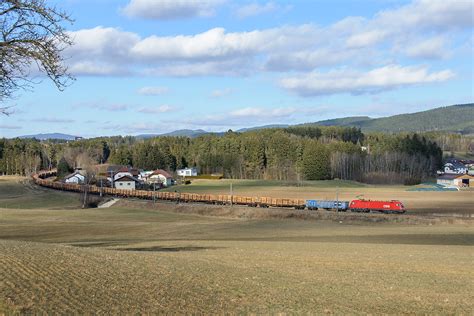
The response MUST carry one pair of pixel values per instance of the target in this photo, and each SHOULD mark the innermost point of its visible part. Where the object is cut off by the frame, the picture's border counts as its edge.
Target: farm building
(75, 177)
(162, 177)
(126, 182)
(456, 180)
(187, 172)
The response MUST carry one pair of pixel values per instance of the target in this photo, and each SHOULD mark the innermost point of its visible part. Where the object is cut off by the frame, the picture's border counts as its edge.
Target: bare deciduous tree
(89, 171)
(31, 34)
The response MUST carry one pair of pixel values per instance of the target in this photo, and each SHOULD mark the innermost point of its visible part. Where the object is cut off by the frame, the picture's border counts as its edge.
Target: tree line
(292, 154)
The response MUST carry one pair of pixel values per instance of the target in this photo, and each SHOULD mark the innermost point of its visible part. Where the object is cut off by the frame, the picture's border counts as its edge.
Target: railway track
(43, 179)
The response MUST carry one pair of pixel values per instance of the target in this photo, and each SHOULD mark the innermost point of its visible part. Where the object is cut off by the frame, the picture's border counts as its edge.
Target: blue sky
(154, 66)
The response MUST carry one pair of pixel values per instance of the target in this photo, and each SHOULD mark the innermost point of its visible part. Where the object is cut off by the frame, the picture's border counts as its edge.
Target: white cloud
(243, 117)
(218, 93)
(153, 90)
(4, 126)
(253, 9)
(217, 43)
(365, 39)
(428, 49)
(171, 9)
(376, 80)
(351, 43)
(428, 14)
(307, 59)
(87, 68)
(136, 127)
(258, 112)
(52, 120)
(101, 105)
(232, 67)
(96, 42)
(108, 51)
(114, 107)
(165, 108)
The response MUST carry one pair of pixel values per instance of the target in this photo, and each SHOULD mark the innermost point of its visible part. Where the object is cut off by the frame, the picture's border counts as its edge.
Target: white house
(454, 166)
(187, 172)
(126, 183)
(144, 175)
(162, 177)
(456, 180)
(75, 177)
(120, 171)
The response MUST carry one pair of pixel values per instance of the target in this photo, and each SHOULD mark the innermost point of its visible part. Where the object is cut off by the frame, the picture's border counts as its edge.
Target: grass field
(133, 258)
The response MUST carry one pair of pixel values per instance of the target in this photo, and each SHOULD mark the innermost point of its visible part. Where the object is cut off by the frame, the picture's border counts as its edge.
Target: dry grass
(134, 258)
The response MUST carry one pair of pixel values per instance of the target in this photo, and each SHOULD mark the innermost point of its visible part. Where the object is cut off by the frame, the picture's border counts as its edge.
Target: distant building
(144, 175)
(187, 172)
(119, 171)
(162, 177)
(456, 180)
(454, 166)
(126, 183)
(75, 177)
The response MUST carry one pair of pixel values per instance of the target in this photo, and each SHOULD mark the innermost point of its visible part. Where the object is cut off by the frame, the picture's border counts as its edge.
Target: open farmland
(136, 259)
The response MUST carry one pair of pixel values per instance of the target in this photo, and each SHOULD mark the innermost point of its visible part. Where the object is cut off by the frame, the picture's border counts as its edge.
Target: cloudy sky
(154, 66)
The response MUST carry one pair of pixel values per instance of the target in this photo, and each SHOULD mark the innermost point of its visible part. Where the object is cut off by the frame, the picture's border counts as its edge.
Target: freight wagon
(327, 205)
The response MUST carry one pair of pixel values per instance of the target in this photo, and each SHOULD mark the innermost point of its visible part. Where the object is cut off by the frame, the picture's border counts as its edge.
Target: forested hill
(454, 118)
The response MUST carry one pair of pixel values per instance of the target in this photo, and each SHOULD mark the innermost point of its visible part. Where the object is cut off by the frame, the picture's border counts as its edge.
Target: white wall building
(121, 174)
(125, 183)
(455, 167)
(162, 177)
(75, 177)
(187, 172)
(456, 180)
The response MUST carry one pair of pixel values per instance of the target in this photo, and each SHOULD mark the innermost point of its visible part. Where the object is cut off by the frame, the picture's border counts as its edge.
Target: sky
(155, 66)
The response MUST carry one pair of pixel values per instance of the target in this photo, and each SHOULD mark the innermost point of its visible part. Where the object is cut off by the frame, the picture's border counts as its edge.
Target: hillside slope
(454, 118)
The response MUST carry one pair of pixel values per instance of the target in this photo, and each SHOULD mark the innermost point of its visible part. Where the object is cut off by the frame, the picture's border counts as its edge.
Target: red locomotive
(393, 206)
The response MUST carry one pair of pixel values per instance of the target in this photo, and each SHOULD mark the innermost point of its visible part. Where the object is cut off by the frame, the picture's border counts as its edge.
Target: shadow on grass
(98, 244)
(166, 249)
(107, 244)
(393, 239)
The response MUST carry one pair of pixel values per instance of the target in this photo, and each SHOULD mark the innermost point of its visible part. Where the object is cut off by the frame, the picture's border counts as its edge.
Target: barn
(456, 180)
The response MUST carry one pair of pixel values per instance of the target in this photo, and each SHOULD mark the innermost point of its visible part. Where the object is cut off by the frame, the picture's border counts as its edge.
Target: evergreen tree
(63, 168)
(315, 162)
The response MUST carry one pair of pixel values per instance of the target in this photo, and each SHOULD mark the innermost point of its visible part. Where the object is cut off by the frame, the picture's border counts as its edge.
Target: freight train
(366, 206)
(354, 205)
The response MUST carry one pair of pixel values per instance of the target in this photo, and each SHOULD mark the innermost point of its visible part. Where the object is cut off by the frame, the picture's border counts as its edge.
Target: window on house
(120, 183)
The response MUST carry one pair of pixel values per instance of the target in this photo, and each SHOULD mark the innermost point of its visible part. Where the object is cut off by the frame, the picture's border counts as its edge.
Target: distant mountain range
(177, 133)
(454, 118)
(50, 136)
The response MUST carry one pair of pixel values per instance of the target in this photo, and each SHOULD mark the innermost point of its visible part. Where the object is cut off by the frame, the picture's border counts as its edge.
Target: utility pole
(154, 191)
(112, 178)
(337, 198)
(231, 195)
